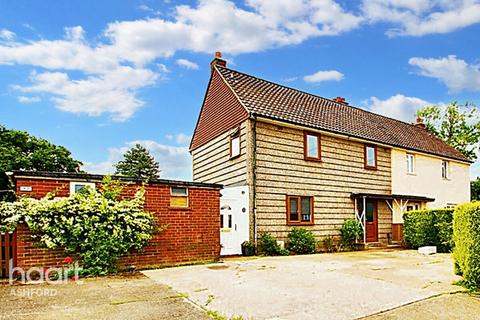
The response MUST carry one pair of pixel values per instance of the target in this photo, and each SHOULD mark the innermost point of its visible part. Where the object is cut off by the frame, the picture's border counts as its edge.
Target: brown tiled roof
(267, 99)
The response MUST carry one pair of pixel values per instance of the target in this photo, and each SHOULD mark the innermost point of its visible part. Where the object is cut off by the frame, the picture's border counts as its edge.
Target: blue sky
(99, 76)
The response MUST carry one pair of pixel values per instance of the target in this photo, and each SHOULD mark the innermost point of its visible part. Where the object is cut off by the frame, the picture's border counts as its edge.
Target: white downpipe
(364, 220)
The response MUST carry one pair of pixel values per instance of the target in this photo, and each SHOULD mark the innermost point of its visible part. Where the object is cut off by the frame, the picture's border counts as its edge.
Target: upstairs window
(178, 197)
(235, 145)
(299, 210)
(445, 168)
(370, 157)
(311, 146)
(410, 163)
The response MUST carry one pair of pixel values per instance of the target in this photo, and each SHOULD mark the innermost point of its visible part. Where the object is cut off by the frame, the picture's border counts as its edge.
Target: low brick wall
(190, 235)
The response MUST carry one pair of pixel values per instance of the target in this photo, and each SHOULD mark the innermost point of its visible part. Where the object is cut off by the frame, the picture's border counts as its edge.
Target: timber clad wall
(192, 234)
(219, 101)
(282, 170)
(212, 163)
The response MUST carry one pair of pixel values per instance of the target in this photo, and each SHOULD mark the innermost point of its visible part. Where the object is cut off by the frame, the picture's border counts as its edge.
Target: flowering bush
(97, 225)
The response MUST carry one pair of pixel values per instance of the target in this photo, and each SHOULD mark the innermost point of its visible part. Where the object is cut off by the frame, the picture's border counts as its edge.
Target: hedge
(466, 235)
(429, 228)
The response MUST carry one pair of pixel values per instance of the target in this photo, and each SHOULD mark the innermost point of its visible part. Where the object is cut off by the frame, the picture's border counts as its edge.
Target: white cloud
(7, 35)
(112, 92)
(421, 17)
(399, 107)
(455, 73)
(180, 138)
(319, 76)
(175, 162)
(24, 99)
(129, 47)
(187, 64)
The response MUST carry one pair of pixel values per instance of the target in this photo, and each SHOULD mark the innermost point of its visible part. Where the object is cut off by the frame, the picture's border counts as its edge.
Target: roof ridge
(318, 96)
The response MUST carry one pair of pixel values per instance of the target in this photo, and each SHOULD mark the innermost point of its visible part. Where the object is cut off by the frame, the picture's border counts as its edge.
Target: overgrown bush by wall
(301, 241)
(98, 225)
(466, 236)
(429, 228)
(350, 232)
(267, 245)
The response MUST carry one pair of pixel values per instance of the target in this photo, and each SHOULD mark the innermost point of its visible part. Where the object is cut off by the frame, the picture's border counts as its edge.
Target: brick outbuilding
(189, 210)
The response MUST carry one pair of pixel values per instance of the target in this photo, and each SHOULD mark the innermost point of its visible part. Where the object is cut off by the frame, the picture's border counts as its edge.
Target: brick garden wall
(191, 234)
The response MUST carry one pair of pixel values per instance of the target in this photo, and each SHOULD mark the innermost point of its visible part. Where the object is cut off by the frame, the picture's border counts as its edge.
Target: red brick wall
(191, 234)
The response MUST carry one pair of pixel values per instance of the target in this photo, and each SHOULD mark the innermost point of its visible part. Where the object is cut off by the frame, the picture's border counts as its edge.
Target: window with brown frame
(312, 146)
(299, 210)
(370, 157)
(235, 145)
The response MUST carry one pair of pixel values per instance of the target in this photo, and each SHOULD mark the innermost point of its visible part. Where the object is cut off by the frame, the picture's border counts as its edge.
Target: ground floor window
(299, 210)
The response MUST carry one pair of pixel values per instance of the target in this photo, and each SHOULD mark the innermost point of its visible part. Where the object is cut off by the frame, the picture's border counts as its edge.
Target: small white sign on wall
(25, 188)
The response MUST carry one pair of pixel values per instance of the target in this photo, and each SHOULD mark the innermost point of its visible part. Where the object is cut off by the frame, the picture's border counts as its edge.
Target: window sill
(411, 173)
(294, 224)
(371, 168)
(180, 208)
(235, 157)
(313, 159)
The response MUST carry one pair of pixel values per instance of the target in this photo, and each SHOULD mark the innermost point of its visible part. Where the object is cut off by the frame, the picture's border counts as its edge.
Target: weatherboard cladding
(220, 112)
(266, 99)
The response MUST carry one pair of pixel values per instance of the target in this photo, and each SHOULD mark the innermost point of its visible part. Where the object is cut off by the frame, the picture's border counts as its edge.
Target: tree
(22, 151)
(138, 162)
(475, 189)
(458, 125)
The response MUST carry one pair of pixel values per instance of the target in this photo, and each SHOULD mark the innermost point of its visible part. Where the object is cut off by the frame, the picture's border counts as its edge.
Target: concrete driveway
(321, 286)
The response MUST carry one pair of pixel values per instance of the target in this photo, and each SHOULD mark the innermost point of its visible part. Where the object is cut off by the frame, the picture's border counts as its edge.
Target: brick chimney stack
(218, 61)
(419, 123)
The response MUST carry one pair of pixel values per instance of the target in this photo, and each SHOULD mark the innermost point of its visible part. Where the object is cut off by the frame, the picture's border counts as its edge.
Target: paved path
(322, 286)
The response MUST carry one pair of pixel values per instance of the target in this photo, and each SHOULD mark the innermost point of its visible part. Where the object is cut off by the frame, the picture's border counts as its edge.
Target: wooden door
(371, 226)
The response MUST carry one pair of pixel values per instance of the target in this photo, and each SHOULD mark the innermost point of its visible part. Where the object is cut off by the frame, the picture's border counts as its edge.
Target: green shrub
(466, 236)
(351, 231)
(301, 241)
(429, 228)
(269, 246)
(97, 225)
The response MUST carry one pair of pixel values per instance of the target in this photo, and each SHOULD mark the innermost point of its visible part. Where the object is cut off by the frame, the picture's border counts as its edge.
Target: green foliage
(301, 241)
(93, 224)
(458, 125)
(350, 232)
(429, 228)
(21, 151)
(269, 246)
(138, 162)
(466, 235)
(475, 189)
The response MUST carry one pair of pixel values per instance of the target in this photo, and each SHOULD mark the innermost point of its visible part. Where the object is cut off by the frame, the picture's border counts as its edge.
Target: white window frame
(180, 195)
(445, 170)
(73, 184)
(235, 145)
(410, 163)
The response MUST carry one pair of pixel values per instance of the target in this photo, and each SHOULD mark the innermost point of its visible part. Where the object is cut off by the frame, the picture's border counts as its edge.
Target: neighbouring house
(289, 158)
(188, 210)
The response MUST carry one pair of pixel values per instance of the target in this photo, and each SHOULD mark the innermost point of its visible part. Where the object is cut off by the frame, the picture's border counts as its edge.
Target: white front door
(233, 219)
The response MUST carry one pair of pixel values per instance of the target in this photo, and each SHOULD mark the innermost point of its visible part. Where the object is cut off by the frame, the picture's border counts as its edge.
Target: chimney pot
(218, 61)
(341, 100)
(419, 123)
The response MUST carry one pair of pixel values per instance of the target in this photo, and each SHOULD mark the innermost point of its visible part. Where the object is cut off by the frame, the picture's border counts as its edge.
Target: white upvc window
(410, 163)
(445, 169)
(77, 186)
